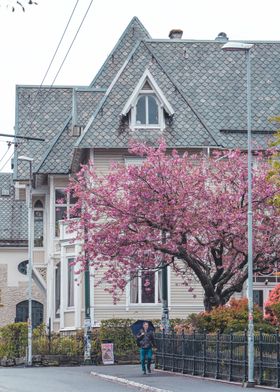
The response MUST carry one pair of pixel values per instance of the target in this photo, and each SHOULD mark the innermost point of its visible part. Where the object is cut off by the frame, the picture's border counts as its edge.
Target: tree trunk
(213, 302)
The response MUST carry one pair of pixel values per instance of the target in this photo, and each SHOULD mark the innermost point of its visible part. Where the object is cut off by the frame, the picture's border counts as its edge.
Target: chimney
(221, 37)
(176, 34)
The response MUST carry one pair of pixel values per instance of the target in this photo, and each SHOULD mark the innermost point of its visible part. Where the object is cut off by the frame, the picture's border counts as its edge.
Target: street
(80, 379)
(52, 379)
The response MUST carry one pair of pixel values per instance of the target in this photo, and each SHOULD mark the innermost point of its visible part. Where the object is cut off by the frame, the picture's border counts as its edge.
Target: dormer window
(147, 106)
(147, 111)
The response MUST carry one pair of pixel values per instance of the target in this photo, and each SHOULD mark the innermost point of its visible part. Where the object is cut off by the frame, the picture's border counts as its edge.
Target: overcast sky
(29, 39)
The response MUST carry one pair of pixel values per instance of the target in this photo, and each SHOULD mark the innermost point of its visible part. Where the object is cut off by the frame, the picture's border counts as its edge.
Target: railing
(220, 356)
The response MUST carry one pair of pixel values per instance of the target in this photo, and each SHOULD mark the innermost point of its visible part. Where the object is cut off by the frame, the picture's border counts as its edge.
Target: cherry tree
(186, 211)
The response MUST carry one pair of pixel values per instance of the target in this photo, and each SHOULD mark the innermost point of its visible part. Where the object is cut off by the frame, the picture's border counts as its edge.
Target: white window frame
(56, 205)
(140, 303)
(70, 307)
(41, 209)
(146, 94)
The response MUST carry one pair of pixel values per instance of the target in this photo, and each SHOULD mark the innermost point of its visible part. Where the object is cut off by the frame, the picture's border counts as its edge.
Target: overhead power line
(60, 67)
(5, 154)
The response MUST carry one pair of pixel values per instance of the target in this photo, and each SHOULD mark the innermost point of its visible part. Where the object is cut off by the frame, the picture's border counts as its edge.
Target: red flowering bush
(231, 317)
(272, 306)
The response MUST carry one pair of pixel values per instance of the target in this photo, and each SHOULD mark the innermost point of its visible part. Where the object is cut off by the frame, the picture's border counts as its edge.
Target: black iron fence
(220, 356)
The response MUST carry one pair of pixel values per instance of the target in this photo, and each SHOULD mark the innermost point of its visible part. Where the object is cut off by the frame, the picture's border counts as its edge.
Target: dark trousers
(146, 352)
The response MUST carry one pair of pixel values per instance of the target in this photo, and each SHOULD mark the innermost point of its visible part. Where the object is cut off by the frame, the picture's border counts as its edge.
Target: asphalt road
(79, 379)
(61, 379)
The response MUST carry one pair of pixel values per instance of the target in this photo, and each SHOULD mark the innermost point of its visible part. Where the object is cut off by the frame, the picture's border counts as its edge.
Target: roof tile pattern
(13, 215)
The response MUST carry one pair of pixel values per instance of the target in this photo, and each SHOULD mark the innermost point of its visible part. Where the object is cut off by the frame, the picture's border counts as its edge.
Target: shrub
(233, 316)
(13, 340)
(272, 306)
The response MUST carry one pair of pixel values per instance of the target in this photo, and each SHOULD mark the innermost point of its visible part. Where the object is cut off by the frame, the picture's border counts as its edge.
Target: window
(258, 298)
(147, 106)
(57, 290)
(63, 203)
(38, 224)
(70, 282)
(146, 288)
(147, 111)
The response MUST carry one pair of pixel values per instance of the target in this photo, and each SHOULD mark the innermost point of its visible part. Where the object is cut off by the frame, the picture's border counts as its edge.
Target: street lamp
(30, 257)
(245, 47)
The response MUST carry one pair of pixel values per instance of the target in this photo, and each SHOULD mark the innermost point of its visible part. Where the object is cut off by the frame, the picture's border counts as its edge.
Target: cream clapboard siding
(181, 303)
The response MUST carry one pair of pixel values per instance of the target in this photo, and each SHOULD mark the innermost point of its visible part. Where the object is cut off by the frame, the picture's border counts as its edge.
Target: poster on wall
(107, 350)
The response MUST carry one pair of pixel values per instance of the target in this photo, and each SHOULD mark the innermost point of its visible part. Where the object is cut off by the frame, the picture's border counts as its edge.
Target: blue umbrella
(138, 325)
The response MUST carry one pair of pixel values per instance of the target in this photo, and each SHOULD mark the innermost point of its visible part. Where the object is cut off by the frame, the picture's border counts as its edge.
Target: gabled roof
(134, 33)
(13, 215)
(204, 86)
(106, 128)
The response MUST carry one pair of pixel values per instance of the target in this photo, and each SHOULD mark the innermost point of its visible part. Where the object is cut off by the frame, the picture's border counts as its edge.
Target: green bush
(13, 340)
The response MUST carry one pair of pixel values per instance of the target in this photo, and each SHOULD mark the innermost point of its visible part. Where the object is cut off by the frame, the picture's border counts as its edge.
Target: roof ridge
(134, 20)
(90, 121)
(183, 96)
(55, 139)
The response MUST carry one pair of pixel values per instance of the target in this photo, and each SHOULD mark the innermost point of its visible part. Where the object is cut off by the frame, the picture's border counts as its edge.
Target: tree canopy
(187, 211)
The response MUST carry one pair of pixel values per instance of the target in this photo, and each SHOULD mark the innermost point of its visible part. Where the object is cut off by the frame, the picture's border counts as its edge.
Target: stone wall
(10, 296)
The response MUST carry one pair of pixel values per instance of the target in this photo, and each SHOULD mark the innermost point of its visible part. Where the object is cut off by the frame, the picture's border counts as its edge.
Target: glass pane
(70, 290)
(38, 204)
(134, 290)
(57, 290)
(38, 228)
(152, 110)
(258, 298)
(141, 111)
(148, 287)
(60, 214)
(60, 196)
(73, 199)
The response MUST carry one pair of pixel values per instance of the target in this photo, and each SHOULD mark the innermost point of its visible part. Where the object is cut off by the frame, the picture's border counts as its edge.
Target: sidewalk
(159, 381)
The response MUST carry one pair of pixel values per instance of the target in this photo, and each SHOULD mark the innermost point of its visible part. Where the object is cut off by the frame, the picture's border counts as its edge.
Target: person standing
(146, 340)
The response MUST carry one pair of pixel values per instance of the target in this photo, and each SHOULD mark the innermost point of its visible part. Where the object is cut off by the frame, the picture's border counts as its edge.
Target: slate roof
(13, 215)
(205, 86)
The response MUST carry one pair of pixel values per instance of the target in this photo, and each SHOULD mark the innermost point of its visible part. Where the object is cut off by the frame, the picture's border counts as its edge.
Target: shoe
(149, 371)
(144, 373)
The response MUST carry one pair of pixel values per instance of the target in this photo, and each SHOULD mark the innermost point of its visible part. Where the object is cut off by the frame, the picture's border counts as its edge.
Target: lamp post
(30, 257)
(245, 47)
(164, 291)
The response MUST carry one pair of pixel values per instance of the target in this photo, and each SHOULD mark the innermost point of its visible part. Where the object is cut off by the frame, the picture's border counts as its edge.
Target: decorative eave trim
(147, 76)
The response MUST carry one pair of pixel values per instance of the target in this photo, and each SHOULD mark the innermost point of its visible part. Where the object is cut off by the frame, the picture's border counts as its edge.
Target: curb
(139, 386)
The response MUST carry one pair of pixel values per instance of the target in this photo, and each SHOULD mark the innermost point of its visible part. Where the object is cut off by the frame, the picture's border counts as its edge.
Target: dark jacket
(145, 339)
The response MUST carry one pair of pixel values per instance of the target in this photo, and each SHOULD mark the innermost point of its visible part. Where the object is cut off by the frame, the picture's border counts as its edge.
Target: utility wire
(62, 63)
(10, 157)
(5, 154)
(50, 64)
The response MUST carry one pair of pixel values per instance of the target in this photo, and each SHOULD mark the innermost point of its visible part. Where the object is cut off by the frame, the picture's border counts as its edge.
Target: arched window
(38, 224)
(37, 312)
(147, 110)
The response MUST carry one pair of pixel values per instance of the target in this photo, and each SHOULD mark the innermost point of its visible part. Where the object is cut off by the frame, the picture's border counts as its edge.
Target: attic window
(147, 106)
(147, 110)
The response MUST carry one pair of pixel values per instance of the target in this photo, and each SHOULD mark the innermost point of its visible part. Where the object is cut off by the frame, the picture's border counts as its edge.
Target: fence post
(231, 355)
(261, 357)
(278, 358)
(245, 355)
(163, 349)
(183, 351)
(217, 375)
(193, 352)
(204, 353)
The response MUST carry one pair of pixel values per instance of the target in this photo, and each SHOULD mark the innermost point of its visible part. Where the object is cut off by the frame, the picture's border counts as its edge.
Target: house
(188, 91)
(14, 259)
